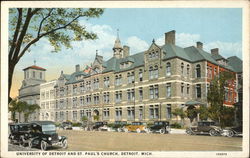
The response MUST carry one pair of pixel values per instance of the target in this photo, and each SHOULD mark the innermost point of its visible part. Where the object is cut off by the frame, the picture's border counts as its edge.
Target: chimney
(215, 51)
(77, 68)
(170, 37)
(125, 51)
(199, 45)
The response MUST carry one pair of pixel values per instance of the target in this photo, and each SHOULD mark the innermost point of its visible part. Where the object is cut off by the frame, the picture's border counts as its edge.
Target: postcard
(125, 79)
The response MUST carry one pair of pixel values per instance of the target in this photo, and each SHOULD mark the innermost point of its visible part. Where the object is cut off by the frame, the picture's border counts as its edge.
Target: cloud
(136, 44)
(227, 49)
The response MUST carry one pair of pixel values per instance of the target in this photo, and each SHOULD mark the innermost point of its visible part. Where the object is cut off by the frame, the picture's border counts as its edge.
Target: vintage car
(19, 133)
(118, 125)
(135, 127)
(43, 134)
(232, 131)
(66, 125)
(162, 127)
(205, 127)
(100, 126)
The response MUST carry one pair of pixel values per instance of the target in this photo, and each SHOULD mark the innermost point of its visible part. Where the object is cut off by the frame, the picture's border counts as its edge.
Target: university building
(145, 86)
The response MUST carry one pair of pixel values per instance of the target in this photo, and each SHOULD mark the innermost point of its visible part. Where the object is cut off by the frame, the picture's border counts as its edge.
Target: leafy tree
(21, 106)
(215, 97)
(179, 112)
(191, 113)
(13, 106)
(29, 109)
(59, 25)
(203, 112)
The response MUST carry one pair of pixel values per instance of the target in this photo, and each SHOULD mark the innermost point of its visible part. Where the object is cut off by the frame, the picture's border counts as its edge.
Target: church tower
(117, 49)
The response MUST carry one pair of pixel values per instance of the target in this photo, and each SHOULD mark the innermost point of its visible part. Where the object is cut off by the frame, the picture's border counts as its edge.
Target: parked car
(205, 127)
(233, 131)
(162, 127)
(118, 126)
(98, 126)
(66, 125)
(136, 127)
(19, 133)
(43, 134)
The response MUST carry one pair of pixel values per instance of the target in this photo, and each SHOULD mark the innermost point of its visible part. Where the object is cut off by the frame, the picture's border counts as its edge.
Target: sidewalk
(177, 131)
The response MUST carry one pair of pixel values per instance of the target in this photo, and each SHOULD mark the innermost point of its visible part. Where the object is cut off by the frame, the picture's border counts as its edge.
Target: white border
(122, 4)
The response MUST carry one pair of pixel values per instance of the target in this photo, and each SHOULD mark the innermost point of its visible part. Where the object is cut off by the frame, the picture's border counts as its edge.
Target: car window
(49, 127)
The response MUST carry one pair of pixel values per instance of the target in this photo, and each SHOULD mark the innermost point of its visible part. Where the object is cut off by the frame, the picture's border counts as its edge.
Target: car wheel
(138, 130)
(23, 142)
(213, 132)
(189, 132)
(162, 131)
(31, 144)
(148, 130)
(126, 130)
(119, 130)
(230, 133)
(64, 143)
(44, 145)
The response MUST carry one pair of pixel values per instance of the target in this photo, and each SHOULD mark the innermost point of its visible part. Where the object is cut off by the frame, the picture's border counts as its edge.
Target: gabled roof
(35, 67)
(217, 57)
(235, 63)
(72, 77)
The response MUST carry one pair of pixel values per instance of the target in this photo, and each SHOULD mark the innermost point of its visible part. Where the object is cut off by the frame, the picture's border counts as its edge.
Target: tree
(59, 25)
(179, 112)
(13, 106)
(203, 112)
(191, 113)
(29, 109)
(215, 96)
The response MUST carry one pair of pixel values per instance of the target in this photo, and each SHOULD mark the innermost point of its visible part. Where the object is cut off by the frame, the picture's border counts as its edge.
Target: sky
(214, 27)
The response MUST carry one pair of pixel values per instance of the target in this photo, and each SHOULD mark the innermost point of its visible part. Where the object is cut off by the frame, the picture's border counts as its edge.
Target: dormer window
(125, 65)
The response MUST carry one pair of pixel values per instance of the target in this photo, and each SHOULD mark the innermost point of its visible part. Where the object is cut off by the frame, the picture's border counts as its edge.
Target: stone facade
(146, 86)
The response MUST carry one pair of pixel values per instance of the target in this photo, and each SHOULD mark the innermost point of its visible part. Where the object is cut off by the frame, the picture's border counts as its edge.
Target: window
(140, 75)
(168, 69)
(188, 89)
(198, 91)
(156, 72)
(82, 88)
(96, 98)
(106, 97)
(182, 89)
(140, 112)
(226, 95)
(182, 69)
(131, 77)
(75, 88)
(169, 112)
(131, 113)
(74, 115)
(208, 88)
(198, 71)
(153, 92)
(118, 114)
(140, 93)
(154, 111)
(61, 115)
(151, 73)
(106, 82)
(82, 100)
(88, 114)
(51, 93)
(118, 80)
(27, 74)
(118, 96)
(81, 113)
(41, 75)
(188, 68)
(106, 113)
(168, 90)
(75, 102)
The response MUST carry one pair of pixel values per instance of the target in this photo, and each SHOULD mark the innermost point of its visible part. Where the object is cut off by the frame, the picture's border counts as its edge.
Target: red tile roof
(35, 67)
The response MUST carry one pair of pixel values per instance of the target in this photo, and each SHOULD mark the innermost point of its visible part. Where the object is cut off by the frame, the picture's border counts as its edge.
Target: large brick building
(145, 86)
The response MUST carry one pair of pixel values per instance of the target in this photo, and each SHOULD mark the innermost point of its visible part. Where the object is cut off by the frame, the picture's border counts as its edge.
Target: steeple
(117, 49)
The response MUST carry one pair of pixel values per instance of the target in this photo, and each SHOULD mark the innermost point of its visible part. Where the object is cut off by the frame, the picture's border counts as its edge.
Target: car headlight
(49, 138)
(59, 137)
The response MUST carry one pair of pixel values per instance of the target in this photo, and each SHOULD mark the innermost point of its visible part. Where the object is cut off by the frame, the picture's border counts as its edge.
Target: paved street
(114, 141)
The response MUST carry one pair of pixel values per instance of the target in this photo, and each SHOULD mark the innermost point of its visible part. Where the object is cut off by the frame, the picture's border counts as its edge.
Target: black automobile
(161, 127)
(19, 133)
(66, 125)
(118, 125)
(43, 134)
(233, 131)
(98, 125)
(205, 127)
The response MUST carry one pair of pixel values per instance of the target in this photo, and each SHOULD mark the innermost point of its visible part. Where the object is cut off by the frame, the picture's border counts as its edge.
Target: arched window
(153, 54)
(156, 54)
(168, 69)
(150, 55)
(198, 71)
(151, 72)
(156, 72)
(182, 69)
(188, 68)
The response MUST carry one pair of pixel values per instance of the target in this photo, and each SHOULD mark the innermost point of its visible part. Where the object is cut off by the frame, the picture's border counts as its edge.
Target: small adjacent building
(30, 89)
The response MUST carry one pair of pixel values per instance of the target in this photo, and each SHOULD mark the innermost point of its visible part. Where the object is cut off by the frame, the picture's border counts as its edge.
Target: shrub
(77, 124)
(57, 124)
(175, 125)
(111, 125)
